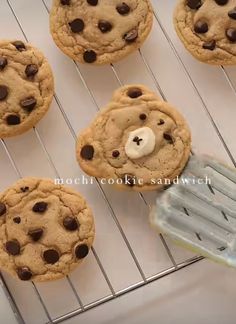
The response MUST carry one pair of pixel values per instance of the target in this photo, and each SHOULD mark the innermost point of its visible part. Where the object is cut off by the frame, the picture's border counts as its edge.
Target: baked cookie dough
(137, 142)
(100, 31)
(45, 230)
(26, 87)
(207, 28)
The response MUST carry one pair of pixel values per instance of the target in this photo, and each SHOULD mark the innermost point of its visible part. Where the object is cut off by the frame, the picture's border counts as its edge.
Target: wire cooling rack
(134, 256)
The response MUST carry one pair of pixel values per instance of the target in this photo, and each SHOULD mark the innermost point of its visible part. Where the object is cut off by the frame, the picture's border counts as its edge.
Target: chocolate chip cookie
(100, 31)
(137, 142)
(26, 87)
(208, 29)
(45, 230)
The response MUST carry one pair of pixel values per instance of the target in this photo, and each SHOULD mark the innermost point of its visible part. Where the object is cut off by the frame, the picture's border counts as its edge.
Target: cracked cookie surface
(207, 28)
(100, 31)
(138, 141)
(26, 87)
(45, 230)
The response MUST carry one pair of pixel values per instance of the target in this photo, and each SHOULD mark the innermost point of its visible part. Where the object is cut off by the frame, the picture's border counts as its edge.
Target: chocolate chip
(123, 9)
(65, 2)
(161, 122)
(221, 2)
(194, 4)
(13, 247)
(36, 234)
(168, 138)
(87, 152)
(3, 63)
(20, 46)
(3, 209)
(231, 34)
(211, 45)
(90, 56)
(13, 120)
(17, 220)
(92, 2)
(24, 189)
(3, 92)
(201, 27)
(134, 93)
(115, 153)
(81, 251)
(28, 104)
(24, 273)
(232, 13)
(51, 256)
(70, 223)
(40, 207)
(143, 116)
(31, 70)
(77, 25)
(131, 36)
(104, 26)
(129, 180)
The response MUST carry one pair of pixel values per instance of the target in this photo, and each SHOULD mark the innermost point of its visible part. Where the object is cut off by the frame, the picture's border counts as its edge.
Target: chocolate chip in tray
(3, 63)
(90, 56)
(40, 207)
(231, 34)
(81, 251)
(17, 220)
(210, 45)
(70, 223)
(13, 247)
(3, 209)
(24, 273)
(3, 92)
(19, 45)
(31, 70)
(51, 256)
(123, 9)
(36, 234)
(77, 25)
(13, 119)
(28, 104)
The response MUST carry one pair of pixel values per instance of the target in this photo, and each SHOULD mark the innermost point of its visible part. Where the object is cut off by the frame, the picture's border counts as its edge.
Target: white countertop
(205, 95)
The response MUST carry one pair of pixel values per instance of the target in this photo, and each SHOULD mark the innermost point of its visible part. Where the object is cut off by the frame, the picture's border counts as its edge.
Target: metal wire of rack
(145, 279)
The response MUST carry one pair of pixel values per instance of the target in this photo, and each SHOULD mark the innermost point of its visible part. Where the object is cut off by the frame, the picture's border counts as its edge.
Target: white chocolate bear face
(141, 142)
(137, 136)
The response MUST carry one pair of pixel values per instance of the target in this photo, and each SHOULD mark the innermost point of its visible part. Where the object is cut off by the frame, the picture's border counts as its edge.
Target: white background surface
(201, 293)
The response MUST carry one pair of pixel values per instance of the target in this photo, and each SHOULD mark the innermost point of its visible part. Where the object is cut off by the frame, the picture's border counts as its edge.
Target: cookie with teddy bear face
(137, 141)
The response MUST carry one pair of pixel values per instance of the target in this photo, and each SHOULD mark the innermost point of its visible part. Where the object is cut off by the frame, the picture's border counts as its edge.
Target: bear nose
(137, 140)
(141, 142)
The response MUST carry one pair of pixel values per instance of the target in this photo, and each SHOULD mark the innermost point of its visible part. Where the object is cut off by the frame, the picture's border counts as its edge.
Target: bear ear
(133, 94)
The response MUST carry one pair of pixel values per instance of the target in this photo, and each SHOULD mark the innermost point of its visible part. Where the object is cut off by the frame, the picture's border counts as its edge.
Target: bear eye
(115, 153)
(142, 116)
(168, 138)
(161, 122)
